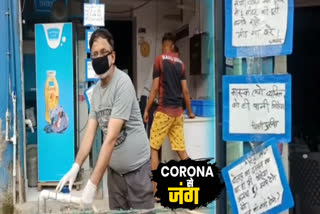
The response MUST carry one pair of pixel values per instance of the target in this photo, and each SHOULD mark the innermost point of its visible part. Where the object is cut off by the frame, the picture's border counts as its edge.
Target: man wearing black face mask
(125, 150)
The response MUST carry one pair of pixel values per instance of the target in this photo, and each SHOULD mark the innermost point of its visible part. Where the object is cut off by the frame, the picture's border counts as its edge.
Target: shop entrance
(304, 152)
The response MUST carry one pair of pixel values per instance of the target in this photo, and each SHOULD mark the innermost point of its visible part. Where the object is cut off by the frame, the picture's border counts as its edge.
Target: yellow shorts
(163, 125)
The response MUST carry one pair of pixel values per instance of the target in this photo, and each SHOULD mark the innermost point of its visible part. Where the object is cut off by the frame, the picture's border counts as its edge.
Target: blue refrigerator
(55, 100)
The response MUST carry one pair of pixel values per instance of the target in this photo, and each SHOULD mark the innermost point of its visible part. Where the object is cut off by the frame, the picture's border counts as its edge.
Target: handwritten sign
(256, 183)
(89, 32)
(90, 73)
(88, 94)
(257, 108)
(94, 15)
(259, 22)
(258, 28)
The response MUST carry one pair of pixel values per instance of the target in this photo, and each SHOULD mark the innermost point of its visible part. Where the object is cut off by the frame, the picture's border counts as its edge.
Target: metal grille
(305, 180)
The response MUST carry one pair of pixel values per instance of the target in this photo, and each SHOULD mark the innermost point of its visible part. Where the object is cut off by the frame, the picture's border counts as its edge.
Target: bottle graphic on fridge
(55, 116)
(51, 94)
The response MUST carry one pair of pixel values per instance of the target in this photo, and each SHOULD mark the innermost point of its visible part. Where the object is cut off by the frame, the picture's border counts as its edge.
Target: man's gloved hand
(69, 177)
(88, 195)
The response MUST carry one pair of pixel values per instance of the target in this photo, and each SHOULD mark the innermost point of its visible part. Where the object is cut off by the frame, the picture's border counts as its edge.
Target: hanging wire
(132, 9)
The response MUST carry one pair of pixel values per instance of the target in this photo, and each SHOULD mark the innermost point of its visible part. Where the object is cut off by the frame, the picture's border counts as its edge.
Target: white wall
(151, 18)
(198, 21)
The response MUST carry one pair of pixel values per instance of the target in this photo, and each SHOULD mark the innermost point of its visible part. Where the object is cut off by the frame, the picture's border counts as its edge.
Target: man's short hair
(169, 37)
(101, 33)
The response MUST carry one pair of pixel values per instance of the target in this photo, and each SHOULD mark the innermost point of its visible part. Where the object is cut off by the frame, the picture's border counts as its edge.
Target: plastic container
(202, 108)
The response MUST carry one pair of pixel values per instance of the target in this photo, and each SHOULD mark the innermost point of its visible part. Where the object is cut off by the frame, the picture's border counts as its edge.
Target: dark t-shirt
(170, 69)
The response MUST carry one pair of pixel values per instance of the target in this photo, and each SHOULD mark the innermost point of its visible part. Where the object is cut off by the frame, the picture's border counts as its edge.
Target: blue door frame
(10, 71)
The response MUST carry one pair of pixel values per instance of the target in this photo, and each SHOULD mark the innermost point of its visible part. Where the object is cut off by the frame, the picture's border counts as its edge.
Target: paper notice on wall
(89, 33)
(259, 22)
(256, 183)
(257, 108)
(90, 73)
(94, 15)
(88, 94)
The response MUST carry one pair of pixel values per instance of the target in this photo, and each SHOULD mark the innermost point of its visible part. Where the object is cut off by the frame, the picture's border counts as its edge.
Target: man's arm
(186, 97)
(114, 128)
(87, 141)
(153, 94)
(83, 152)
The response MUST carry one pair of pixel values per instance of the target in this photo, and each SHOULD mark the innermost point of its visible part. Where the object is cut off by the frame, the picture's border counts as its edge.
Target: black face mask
(101, 64)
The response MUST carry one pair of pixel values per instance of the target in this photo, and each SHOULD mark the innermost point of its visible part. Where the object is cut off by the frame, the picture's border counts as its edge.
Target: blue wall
(10, 69)
(4, 62)
(4, 94)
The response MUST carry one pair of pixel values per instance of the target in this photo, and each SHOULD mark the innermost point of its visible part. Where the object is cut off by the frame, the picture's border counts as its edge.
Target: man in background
(169, 81)
(145, 94)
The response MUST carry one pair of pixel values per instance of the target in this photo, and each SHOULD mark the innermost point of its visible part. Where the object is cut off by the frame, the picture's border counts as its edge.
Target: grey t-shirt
(118, 100)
